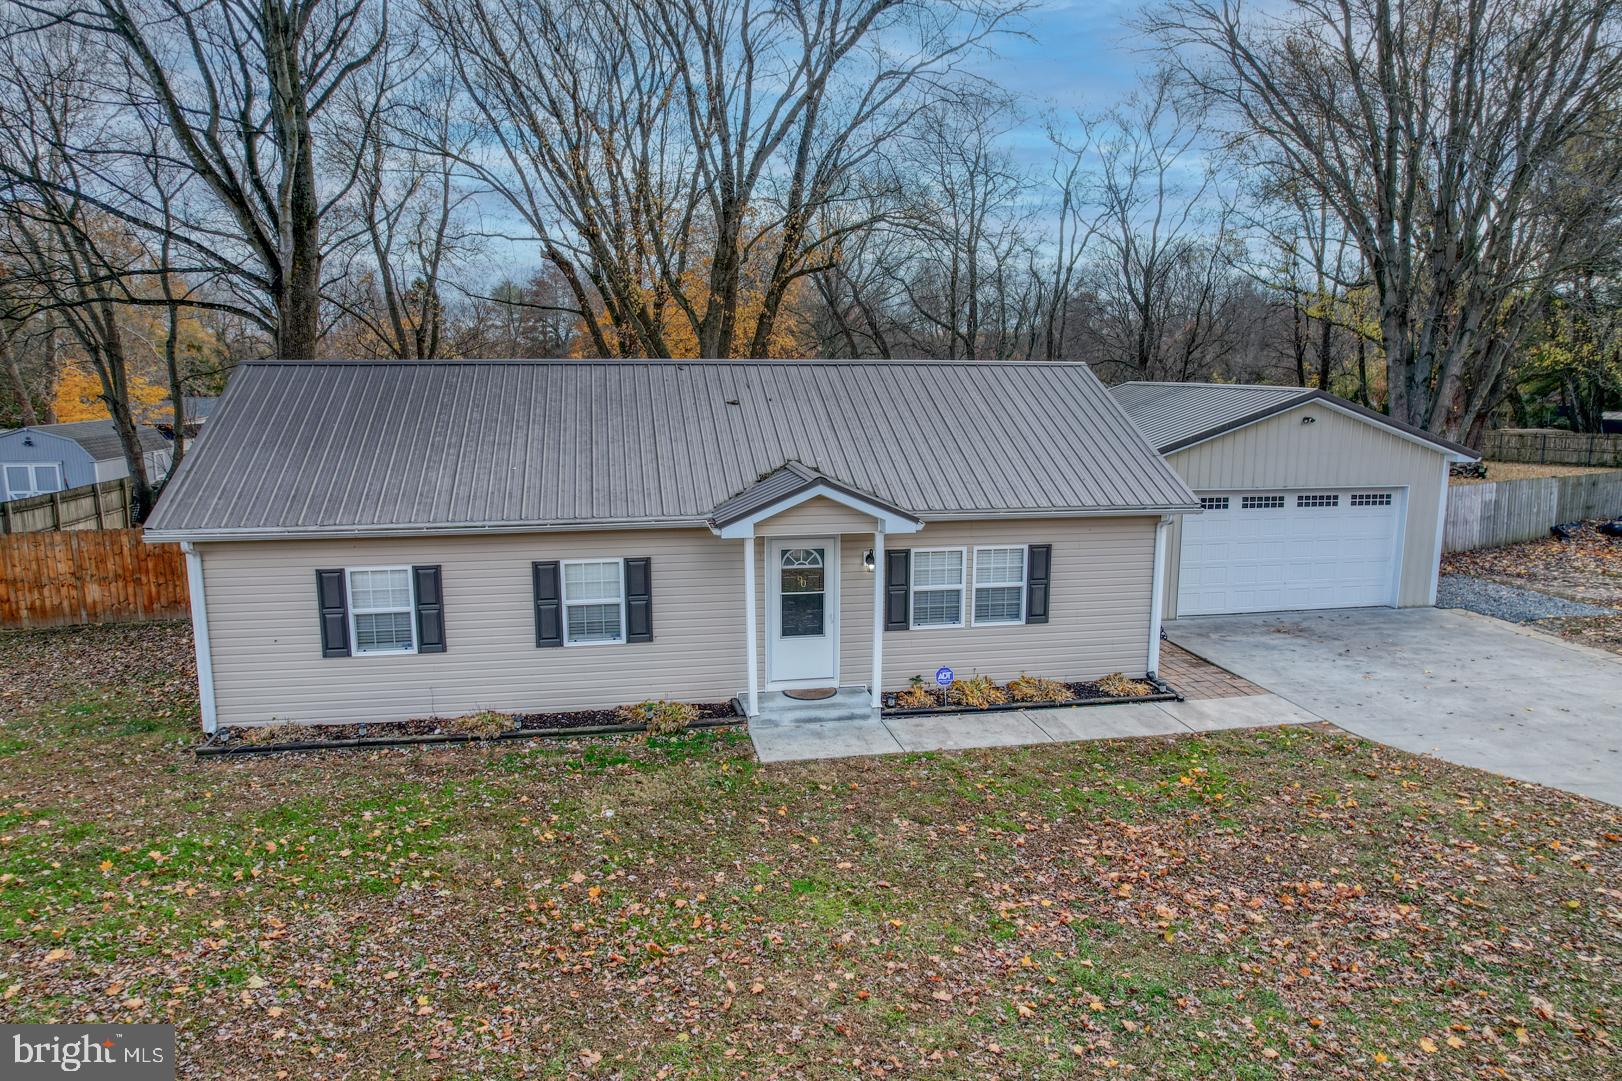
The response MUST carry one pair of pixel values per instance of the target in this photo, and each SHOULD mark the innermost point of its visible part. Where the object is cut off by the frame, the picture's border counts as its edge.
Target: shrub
(917, 697)
(660, 716)
(486, 724)
(976, 693)
(1119, 686)
(1038, 689)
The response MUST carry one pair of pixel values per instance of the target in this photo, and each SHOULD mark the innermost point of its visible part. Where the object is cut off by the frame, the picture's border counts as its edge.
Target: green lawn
(1288, 903)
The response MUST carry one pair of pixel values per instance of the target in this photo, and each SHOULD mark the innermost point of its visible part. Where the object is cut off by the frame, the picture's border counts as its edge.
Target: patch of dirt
(1601, 632)
(1588, 567)
(63, 663)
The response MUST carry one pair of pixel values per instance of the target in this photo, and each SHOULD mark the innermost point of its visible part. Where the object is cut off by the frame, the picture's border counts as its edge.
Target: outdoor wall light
(1309, 420)
(28, 440)
(867, 560)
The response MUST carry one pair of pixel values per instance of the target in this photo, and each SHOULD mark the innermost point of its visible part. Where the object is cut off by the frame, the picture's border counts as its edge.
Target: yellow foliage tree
(78, 396)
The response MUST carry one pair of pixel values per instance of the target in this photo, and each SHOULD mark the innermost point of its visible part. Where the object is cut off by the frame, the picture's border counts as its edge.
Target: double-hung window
(999, 585)
(31, 478)
(937, 587)
(381, 615)
(593, 601)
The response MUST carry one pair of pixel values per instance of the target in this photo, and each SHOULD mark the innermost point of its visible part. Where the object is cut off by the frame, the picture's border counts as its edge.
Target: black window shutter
(331, 596)
(897, 588)
(548, 604)
(1038, 574)
(639, 600)
(430, 610)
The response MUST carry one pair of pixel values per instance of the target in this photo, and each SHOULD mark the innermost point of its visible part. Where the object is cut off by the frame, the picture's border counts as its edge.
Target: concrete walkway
(788, 741)
(1464, 687)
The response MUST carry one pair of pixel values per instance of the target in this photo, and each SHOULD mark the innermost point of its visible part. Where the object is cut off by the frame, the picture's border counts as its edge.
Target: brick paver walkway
(1195, 677)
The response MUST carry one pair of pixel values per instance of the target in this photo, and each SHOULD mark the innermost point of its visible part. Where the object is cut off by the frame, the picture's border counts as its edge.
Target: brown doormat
(812, 694)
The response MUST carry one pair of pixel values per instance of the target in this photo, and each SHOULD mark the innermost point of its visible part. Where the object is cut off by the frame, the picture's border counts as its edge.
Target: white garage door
(1275, 551)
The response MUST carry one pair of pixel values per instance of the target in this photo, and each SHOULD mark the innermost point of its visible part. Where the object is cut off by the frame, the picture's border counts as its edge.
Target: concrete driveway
(1464, 687)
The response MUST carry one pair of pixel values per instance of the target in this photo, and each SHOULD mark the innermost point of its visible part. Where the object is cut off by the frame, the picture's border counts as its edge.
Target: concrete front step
(848, 704)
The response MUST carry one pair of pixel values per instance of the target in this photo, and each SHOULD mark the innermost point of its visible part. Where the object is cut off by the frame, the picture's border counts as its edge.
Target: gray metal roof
(1171, 412)
(793, 478)
(99, 438)
(1177, 415)
(332, 447)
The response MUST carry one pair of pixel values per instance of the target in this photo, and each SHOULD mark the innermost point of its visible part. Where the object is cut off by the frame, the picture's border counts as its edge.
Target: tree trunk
(25, 402)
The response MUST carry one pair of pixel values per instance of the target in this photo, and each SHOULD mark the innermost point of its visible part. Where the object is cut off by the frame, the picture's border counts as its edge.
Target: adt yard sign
(943, 677)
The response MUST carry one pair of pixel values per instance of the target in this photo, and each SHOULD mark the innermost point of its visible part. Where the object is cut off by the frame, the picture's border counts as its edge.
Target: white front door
(1290, 549)
(802, 612)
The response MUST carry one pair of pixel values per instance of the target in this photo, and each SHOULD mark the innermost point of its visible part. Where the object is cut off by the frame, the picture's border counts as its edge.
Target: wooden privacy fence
(1552, 447)
(103, 505)
(84, 576)
(1507, 511)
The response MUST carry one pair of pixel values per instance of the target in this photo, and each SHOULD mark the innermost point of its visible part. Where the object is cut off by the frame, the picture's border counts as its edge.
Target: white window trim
(913, 589)
(1022, 585)
(410, 610)
(564, 602)
(33, 476)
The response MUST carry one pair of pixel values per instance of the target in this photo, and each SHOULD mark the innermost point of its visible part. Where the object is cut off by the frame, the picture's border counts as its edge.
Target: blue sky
(1080, 54)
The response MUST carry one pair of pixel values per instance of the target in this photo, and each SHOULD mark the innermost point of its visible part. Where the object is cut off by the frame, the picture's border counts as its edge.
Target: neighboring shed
(45, 458)
(1307, 500)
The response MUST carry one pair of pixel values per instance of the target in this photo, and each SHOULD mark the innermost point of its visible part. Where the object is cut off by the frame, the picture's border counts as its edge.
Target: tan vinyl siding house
(266, 644)
(427, 539)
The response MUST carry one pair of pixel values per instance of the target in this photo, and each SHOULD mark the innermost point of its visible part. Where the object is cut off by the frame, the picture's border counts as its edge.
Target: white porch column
(878, 614)
(1157, 596)
(199, 631)
(752, 706)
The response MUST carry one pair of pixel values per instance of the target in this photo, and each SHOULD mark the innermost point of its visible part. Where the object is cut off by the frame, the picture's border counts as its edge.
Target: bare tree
(1443, 134)
(673, 158)
(61, 253)
(1159, 271)
(242, 88)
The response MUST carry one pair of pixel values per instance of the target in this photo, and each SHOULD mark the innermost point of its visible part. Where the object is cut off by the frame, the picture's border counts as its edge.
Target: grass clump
(486, 724)
(978, 692)
(1121, 687)
(1026, 688)
(660, 716)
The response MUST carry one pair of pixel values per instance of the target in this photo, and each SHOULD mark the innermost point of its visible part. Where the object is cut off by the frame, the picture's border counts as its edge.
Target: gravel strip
(1507, 602)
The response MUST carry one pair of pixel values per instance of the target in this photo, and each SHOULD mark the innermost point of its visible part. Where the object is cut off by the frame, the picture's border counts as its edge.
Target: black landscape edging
(368, 742)
(1168, 695)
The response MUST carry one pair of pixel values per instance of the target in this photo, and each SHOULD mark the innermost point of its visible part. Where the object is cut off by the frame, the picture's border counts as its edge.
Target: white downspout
(1157, 596)
(878, 615)
(199, 631)
(752, 707)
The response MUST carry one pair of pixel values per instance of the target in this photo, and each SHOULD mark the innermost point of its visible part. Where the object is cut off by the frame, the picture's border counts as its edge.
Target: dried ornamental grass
(486, 724)
(976, 693)
(917, 697)
(1119, 686)
(661, 717)
(1038, 689)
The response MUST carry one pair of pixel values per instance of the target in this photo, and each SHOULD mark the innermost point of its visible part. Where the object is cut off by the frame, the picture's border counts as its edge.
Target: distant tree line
(1415, 203)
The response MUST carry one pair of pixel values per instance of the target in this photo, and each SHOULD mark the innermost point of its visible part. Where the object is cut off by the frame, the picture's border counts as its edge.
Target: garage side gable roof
(1175, 416)
(322, 448)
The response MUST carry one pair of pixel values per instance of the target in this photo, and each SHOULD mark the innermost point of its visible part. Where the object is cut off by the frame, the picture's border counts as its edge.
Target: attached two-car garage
(1307, 501)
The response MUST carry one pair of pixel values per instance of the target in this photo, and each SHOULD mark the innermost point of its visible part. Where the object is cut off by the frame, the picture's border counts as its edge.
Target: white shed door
(1287, 550)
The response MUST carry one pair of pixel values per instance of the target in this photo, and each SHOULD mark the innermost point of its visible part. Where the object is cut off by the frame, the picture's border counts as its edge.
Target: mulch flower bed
(1086, 694)
(442, 729)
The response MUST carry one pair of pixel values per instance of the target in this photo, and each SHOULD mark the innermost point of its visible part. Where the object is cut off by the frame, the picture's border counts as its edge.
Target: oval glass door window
(802, 593)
